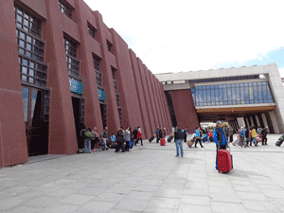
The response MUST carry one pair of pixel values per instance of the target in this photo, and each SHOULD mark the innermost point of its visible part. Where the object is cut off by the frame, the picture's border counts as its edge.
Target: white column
(251, 120)
(257, 120)
(241, 121)
(265, 121)
(274, 122)
(247, 122)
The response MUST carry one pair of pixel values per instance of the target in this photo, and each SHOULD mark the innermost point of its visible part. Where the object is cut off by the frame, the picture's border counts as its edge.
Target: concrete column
(13, 143)
(247, 122)
(251, 120)
(257, 120)
(274, 122)
(264, 121)
(241, 121)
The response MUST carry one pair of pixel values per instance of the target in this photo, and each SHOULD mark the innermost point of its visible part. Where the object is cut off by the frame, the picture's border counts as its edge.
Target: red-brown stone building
(61, 68)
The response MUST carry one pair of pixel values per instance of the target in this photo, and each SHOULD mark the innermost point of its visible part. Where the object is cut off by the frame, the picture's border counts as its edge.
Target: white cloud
(182, 35)
(281, 70)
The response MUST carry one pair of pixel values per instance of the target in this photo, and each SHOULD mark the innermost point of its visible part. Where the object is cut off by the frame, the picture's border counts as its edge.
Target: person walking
(112, 140)
(263, 136)
(242, 137)
(220, 139)
(120, 140)
(198, 137)
(135, 135)
(185, 133)
(247, 137)
(127, 139)
(95, 139)
(158, 134)
(178, 135)
(139, 136)
(104, 136)
(231, 134)
(88, 135)
(253, 135)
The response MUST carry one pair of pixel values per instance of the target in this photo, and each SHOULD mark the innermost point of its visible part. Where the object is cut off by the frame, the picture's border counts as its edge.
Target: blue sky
(275, 56)
(191, 35)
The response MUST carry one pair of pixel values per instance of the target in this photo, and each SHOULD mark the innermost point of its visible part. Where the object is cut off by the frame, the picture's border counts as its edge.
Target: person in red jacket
(139, 136)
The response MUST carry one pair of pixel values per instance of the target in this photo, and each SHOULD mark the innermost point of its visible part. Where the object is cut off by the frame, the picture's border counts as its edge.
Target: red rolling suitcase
(224, 161)
(163, 142)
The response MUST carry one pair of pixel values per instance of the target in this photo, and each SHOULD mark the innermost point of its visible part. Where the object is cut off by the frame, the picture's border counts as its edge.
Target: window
(109, 46)
(97, 70)
(92, 30)
(232, 94)
(27, 22)
(31, 48)
(32, 72)
(65, 9)
(73, 64)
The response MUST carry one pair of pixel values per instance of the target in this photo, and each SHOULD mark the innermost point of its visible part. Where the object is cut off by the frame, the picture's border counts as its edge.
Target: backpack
(88, 134)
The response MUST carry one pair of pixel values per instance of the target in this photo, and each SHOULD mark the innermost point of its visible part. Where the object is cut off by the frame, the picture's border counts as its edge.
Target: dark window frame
(27, 22)
(92, 30)
(109, 46)
(65, 8)
(73, 64)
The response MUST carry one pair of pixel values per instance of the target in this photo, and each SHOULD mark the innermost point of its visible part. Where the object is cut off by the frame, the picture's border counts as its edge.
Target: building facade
(62, 68)
(242, 96)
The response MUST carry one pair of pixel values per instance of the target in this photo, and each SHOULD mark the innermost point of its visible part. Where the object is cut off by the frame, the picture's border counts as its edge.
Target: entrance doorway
(78, 109)
(36, 128)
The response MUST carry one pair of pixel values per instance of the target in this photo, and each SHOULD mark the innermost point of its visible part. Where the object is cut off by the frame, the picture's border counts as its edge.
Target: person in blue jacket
(219, 138)
(198, 136)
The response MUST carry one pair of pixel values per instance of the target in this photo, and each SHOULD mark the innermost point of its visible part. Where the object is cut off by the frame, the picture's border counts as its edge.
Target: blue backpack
(130, 144)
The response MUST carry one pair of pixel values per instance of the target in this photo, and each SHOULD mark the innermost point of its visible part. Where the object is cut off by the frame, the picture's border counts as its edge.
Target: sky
(187, 35)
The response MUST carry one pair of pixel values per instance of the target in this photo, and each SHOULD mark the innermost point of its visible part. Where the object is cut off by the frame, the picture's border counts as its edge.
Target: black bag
(278, 143)
(152, 138)
(170, 138)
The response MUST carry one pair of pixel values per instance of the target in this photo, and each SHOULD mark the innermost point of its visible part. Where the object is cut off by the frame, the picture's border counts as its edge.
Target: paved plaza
(147, 179)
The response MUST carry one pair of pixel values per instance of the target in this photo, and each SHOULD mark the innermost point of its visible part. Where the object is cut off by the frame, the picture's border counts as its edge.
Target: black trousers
(264, 140)
(127, 146)
(138, 141)
(185, 137)
(198, 140)
(120, 145)
(158, 138)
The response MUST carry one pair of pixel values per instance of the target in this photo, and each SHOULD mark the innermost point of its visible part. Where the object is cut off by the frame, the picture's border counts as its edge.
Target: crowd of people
(248, 137)
(123, 140)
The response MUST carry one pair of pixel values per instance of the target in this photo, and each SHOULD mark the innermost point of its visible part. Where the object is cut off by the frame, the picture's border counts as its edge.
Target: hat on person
(242, 127)
(266, 127)
(219, 122)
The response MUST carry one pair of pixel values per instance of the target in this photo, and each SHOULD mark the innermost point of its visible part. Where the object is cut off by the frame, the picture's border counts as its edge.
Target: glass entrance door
(33, 115)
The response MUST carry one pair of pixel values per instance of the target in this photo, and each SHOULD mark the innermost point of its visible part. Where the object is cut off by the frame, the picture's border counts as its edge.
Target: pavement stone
(147, 179)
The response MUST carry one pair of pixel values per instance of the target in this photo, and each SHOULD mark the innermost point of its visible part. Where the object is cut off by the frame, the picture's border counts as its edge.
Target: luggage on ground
(170, 138)
(151, 139)
(189, 143)
(236, 141)
(279, 143)
(163, 142)
(130, 144)
(224, 160)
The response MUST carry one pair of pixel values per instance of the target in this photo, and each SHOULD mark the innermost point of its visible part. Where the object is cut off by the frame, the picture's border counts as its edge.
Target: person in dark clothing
(120, 140)
(158, 134)
(178, 141)
(135, 135)
(247, 137)
(263, 136)
(185, 132)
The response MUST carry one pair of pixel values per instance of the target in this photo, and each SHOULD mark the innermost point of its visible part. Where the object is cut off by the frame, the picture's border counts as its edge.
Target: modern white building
(242, 96)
